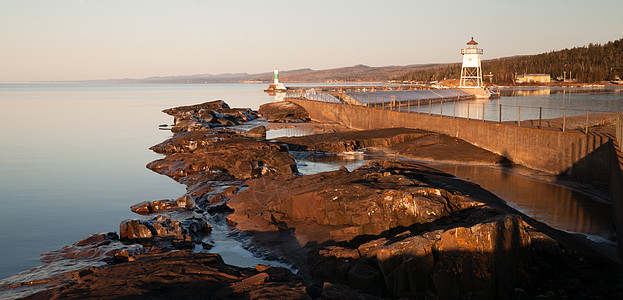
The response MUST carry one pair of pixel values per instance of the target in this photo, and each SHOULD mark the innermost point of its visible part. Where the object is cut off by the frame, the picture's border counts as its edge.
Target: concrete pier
(586, 157)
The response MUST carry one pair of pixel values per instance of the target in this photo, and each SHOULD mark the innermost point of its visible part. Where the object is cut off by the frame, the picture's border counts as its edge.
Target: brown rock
(95, 248)
(180, 229)
(258, 132)
(207, 115)
(199, 159)
(284, 112)
(366, 201)
(134, 229)
(146, 207)
(184, 275)
(352, 140)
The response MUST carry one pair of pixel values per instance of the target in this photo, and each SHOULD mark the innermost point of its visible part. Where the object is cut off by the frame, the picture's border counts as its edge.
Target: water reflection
(315, 162)
(552, 204)
(289, 131)
(73, 158)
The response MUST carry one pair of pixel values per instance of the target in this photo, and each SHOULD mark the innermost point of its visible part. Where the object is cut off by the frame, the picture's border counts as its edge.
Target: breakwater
(586, 157)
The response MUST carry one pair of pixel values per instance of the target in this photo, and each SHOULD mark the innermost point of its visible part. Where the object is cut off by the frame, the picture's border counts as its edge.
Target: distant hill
(200, 78)
(355, 73)
(590, 63)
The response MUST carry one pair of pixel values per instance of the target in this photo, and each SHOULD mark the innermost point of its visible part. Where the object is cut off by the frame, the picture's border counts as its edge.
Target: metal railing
(557, 118)
(619, 128)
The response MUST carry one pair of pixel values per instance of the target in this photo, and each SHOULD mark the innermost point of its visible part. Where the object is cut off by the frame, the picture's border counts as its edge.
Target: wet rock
(182, 229)
(208, 115)
(159, 206)
(135, 229)
(96, 247)
(184, 275)
(284, 112)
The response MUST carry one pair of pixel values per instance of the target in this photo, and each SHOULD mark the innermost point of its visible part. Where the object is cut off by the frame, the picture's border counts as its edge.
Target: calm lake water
(549, 102)
(72, 157)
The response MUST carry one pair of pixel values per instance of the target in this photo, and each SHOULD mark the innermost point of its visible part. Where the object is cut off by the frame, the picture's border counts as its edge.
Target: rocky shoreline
(392, 228)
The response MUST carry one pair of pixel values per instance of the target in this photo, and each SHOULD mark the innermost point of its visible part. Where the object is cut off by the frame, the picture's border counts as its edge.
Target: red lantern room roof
(472, 42)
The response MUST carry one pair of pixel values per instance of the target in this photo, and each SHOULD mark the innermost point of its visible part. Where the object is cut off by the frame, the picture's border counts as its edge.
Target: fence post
(500, 113)
(483, 112)
(519, 116)
(564, 119)
(619, 127)
(429, 106)
(441, 108)
(540, 115)
(586, 131)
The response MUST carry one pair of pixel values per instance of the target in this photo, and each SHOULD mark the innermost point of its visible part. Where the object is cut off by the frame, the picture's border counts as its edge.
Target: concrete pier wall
(586, 157)
(616, 190)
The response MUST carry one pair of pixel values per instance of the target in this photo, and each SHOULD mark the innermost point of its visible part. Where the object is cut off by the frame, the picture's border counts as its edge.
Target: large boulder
(284, 112)
(208, 115)
(181, 230)
(207, 160)
(104, 247)
(159, 206)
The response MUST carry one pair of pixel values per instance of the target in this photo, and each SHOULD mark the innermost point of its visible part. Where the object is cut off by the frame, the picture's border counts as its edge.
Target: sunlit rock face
(487, 260)
(369, 200)
(181, 230)
(284, 112)
(392, 228)
(150, 207)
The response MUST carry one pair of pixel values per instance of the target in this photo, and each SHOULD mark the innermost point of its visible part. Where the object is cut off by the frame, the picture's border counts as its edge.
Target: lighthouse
(276, 88)
(471, 71)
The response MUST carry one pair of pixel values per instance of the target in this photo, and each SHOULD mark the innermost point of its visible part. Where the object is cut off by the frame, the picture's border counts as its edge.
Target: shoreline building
(533, 78)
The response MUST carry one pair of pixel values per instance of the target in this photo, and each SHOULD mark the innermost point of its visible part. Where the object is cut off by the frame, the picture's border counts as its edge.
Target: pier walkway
(371, 98)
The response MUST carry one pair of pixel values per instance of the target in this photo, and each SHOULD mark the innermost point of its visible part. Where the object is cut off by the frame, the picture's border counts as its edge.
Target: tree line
(591, 63)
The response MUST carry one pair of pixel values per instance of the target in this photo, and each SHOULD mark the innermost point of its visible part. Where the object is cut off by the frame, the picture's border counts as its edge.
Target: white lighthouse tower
(471, 71)
(276, 76)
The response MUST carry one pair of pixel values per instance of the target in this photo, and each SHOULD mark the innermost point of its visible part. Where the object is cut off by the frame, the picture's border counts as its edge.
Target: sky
(56, 40)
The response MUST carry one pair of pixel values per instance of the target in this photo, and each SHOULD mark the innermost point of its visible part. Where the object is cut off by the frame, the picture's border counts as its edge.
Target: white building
(471, 71)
